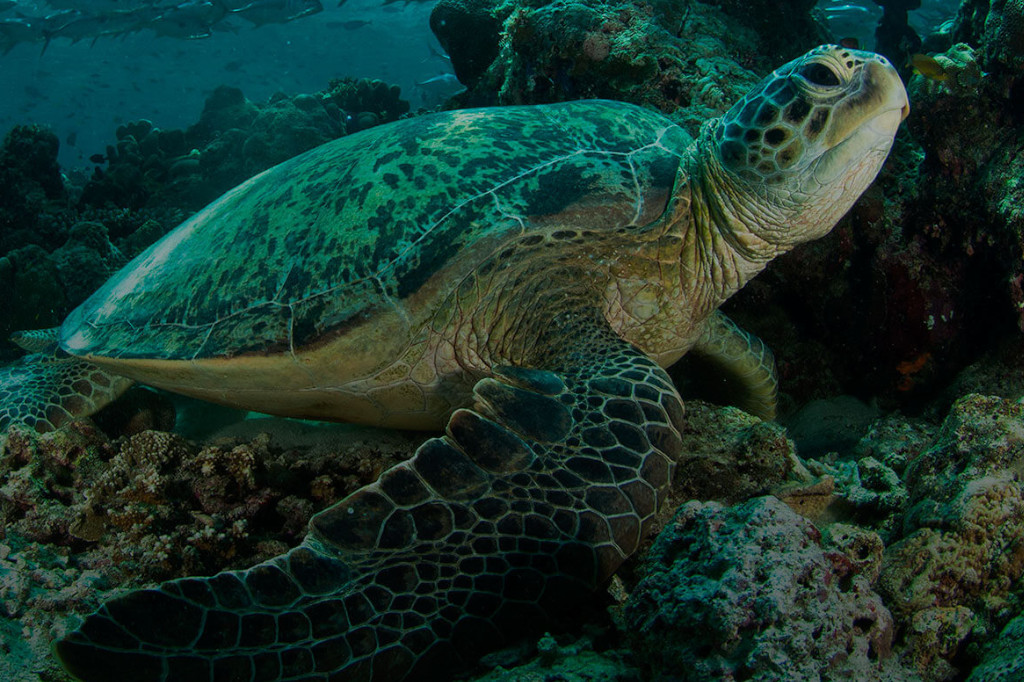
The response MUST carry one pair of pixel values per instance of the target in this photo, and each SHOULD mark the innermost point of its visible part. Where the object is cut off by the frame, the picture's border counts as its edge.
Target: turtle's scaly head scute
(812, 135)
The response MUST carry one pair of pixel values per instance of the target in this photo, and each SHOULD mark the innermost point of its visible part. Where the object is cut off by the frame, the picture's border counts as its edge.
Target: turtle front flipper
(742, 360)
(48, 388)
(503, 526)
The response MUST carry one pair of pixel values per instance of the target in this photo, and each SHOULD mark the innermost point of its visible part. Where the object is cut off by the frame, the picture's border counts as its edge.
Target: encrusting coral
(754, 592)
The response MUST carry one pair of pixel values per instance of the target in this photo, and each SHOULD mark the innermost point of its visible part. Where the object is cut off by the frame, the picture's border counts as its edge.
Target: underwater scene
(511, 340)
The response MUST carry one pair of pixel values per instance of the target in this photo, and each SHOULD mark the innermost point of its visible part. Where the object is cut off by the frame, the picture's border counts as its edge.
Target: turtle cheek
(796, 112)
(789, 155)
(878, 89)
(733, 155)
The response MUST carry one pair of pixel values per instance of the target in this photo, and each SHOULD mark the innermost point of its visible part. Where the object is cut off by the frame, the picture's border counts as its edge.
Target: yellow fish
(928, 67)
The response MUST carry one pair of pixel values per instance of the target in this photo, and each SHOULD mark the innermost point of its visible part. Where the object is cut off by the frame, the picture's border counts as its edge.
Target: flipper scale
(502, 527)
(48, 388)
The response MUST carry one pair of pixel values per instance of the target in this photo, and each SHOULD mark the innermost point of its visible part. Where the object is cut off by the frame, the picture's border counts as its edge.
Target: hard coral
(963, 548)
(233, 140)
(660, 54)
(366, 102)
(730, 456)
(29, 154)
(754, 591)
(997, 26)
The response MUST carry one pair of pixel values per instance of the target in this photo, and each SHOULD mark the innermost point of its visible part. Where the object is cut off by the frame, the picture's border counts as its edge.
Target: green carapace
(515, 277)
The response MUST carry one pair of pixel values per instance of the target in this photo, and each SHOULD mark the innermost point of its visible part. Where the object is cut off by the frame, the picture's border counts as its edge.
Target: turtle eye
(817, 73)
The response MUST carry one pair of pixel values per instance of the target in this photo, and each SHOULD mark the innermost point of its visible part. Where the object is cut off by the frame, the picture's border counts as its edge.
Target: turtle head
(808, 140)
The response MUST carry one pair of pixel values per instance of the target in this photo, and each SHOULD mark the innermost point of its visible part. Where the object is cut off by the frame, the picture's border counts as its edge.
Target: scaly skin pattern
(49, 388)
(505, 525)
(746, 359)
(550, 283)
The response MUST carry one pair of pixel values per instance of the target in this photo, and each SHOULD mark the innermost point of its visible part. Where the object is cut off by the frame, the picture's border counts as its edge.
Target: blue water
(84, 90)
(87, 89)
(858, 18)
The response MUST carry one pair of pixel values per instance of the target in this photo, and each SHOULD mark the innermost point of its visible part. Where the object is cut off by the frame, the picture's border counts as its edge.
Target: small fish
(350, 25)
(850, 42)
(437, 54)
(434, 91)
(846, 9)
(261, 12)
(927, 67)
(447, 79)
(98, 158)
(71, 139)
(188, 20)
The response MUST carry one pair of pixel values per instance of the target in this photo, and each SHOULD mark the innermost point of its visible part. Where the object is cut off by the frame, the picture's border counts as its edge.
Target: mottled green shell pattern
(318, 244)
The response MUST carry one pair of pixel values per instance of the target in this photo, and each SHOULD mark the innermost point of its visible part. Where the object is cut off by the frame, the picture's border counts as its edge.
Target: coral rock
(964, 533)
(752, 592)
(729, 455)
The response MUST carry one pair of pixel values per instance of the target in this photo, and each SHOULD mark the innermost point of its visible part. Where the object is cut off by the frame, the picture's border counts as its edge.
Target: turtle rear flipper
(502, 526)
(742, 365)
(48, 388)
(37, 340)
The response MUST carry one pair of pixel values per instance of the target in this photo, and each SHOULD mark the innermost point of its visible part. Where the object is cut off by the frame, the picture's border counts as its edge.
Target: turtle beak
(881, 73)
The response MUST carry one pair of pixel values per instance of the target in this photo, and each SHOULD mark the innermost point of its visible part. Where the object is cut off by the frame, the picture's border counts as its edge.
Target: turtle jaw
(858, 155)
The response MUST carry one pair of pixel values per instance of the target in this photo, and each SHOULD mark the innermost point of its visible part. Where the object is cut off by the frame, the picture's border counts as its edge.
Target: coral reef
(691, 59)
(32, 189)
(948, 500)
(81, 514)
(866, 481)
(723, 591)
(951, 579)
(730, 456)
(998, 372)
(233, 140)
(46, 286)
(754, 592)
(998, 27)
(866, 492)
(30, 171)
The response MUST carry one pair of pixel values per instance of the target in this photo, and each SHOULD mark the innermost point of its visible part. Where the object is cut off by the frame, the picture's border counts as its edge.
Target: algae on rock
(753, 592)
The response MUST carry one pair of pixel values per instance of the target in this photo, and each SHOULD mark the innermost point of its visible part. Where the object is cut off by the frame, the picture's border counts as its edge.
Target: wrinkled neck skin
(734, 229)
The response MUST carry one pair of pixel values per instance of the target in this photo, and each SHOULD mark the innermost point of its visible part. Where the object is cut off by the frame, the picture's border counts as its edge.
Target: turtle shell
(321, 244)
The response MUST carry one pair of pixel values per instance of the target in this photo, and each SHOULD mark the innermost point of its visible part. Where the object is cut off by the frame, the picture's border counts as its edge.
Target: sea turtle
(516, 276)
